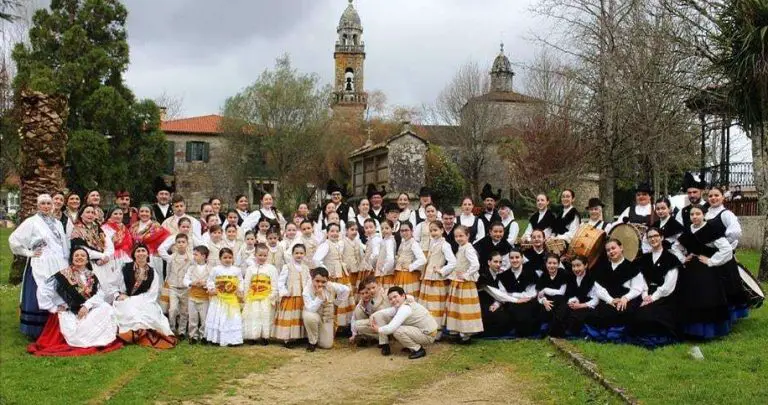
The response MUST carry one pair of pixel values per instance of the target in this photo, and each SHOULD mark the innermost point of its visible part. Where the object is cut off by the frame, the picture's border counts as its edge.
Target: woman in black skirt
(568, 320)
(551, 288)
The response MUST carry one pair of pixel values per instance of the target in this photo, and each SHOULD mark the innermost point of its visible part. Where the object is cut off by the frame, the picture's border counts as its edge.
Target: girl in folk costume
(463, 314)
(293, 279)
(655, 322)
(217, 205)
(276, 255)
(139, 317)
(223, 324)
(58, 207)
(260, 293)
(93, 198)
(308, 241)
(231, 241)
(70, 211)
(406, 213)
(210, 221)
(326, 210)
(80, 315)
(247, 252)
(232, 218)
(470, 221)
(371, 251)
(322, 233)
(301, 214)
(206, 210)
(421, 232)
(121, 237)
(290, 240)
(542, 220)
(666, 224)
(242, 208)
(393, 214)
(409, 262)
(568, 320)
(88, 234)
(535, 257)
(567, 223)
(321, 300)
(42, 240)
(353, 254)
(262, 229)
(363, 213)
(150, 233)
(330, 255)
(595, 209)
(511, 227)
(196, 280)
(702, 295)
(385, 262)
(551, 288)
(433, 292)
(516, 292)
(215, 245)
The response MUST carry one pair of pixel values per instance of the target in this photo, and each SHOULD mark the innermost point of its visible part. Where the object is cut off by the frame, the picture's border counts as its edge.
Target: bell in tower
(349, 95)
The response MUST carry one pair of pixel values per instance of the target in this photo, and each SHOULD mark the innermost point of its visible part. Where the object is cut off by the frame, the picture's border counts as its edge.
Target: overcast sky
(205, 51)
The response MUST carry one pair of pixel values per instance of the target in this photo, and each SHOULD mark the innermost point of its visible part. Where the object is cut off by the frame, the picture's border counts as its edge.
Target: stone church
(194, 143)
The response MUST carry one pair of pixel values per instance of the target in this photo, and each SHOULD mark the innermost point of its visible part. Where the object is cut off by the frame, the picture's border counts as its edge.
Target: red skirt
(52, 343)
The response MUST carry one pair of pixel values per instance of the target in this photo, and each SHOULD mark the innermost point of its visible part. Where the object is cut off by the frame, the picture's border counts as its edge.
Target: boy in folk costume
(353, 255)
(276, 256)
(463, 314)
(180, 211)
(409, 262)
(180, 262)
(320, 303)
(371, 250)
(433, 292)
(197, 306)
(260, 294)
(330, 255)
(407, 321)
(385, 262)
(292, 281)
(372, 299)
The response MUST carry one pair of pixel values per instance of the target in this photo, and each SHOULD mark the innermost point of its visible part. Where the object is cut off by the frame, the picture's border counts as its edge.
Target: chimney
(163, 112)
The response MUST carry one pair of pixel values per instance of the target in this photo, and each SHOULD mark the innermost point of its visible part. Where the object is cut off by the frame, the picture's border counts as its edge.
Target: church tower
(349, 96)
(501, 73)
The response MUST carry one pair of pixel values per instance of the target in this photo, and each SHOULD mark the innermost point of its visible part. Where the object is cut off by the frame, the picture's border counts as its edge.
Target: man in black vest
(490, 214)
(376, 199)
(161, 209)
(346, 213)
(449, 225)
(694, 187)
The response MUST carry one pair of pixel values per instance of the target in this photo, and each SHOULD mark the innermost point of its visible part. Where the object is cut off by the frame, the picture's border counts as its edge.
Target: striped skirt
(433, 295)
(410, 281)
(463, 308)
(386, 281)
(344, 311)
(32, 318)
(288, 325)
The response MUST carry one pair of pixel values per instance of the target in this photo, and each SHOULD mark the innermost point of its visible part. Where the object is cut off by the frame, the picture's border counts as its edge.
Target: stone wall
(752, 232)
(407, 164)
(198, 181)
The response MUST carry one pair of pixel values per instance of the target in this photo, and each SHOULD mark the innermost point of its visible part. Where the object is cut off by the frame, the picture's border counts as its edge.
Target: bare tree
(473, 124)
(173, 105)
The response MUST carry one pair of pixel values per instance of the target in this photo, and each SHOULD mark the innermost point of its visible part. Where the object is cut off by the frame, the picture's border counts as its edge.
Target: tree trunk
(759, 166)
(43, 149)
(607, 186)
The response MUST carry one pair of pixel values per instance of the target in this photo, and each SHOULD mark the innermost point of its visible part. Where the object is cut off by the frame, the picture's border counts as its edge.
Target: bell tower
(349, 96)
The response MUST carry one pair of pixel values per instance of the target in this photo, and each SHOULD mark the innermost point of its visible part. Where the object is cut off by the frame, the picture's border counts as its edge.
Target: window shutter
(171, 162)
(205, 151)
(189, 151)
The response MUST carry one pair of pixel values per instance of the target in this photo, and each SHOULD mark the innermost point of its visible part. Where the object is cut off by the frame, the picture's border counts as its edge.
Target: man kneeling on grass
(407, 321)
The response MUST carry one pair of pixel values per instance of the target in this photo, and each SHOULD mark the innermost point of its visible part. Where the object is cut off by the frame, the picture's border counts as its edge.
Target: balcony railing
(342, 97)
(350, 48)
(734, 174)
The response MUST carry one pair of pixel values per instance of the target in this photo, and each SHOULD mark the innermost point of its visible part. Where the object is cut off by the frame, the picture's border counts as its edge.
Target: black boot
(385, 350)
(264, 341)
(311, 347)
(417, 354)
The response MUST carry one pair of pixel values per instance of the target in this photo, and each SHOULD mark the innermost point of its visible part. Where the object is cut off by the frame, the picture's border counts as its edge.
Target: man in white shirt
(407, 321)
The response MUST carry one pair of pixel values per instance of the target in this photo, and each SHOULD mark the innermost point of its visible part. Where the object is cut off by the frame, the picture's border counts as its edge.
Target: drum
(523, 245)
(630, 239)
(752, 290)
(556, 246)
(588, 242)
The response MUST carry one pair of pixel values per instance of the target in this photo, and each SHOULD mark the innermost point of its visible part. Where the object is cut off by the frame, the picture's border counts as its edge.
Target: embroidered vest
(435, 258)
(405, 256)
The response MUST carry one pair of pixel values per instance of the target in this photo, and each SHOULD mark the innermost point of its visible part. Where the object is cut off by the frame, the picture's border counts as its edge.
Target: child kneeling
(320, 301)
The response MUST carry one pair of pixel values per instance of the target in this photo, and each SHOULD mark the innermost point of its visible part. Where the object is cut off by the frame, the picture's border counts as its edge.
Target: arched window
(344, 39)
(349, 80)
(354, 39)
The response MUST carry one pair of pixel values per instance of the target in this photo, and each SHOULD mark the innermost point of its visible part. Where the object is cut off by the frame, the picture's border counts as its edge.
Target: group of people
(152, 275)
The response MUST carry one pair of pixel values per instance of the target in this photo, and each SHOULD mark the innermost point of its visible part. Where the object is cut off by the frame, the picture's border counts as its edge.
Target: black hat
(594, 202)
(644, 188)
(391, 207)
(159, 185)
(691, 180)
(504, 203)
(333, 187)
(488, 193)
(425, 192)
(372, 191)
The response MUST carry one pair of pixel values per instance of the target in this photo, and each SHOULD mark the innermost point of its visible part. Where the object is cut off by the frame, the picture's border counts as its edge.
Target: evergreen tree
(78, 49)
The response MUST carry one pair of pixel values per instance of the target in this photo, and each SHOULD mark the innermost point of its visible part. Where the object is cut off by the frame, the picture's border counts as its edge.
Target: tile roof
(204, 124)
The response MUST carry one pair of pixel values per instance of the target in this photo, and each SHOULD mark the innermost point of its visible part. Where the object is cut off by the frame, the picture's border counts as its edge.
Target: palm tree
(6, 9)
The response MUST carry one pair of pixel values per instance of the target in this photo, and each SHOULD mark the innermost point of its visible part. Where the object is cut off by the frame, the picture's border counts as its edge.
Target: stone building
(349, 96)
(398, 164)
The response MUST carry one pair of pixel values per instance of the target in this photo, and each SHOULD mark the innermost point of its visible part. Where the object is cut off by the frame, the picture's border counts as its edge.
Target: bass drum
(752, 290)
(629, 237)
(588, 242)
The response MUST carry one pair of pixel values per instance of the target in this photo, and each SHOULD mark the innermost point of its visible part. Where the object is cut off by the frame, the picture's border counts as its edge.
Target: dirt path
(351, 376)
